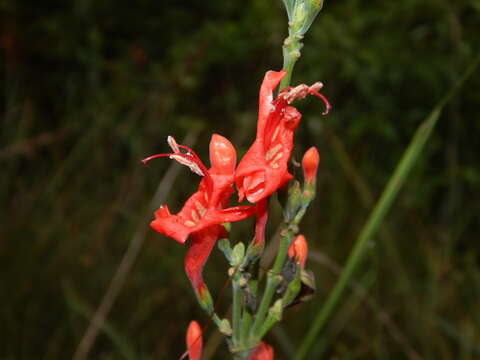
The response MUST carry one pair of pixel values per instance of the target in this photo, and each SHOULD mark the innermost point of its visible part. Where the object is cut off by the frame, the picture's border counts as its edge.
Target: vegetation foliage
(90, 88)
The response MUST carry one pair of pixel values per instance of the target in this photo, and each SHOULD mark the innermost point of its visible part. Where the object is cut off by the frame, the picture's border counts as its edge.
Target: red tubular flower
(262, 351)
(201, 245)
(206, 207)
(204, 211)
(263, 169)
(194, 341)
(310, 165)
(298, 250)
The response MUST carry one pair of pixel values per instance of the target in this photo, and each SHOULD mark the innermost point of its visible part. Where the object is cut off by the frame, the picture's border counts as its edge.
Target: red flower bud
(298, 250)
(310, 164)
(223, 156)
(262, 351)
(194, 341)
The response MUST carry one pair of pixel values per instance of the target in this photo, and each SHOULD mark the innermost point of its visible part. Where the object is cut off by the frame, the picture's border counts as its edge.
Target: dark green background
(91, 87)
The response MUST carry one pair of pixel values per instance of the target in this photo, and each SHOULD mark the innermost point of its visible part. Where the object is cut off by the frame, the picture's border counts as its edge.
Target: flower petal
(262, 351)
(194, 341)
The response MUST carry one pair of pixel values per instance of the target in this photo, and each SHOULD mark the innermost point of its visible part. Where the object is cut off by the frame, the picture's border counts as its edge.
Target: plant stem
(245, 327)
(291, 53)
(395, 183)
(237, 310)
(243, 355)
(272, 281)
(267, 324)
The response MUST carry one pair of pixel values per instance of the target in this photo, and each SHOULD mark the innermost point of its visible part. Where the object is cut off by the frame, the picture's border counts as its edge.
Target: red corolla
(207, 206)
(263, 169)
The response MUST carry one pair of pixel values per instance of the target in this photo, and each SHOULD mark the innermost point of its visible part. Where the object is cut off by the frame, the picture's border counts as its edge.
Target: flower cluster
(260, 173)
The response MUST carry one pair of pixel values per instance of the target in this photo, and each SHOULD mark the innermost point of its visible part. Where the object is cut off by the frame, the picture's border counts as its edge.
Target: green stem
(246, 324)
(291, 53)
(395, 183)
(243, 355)
(267, 324)
(272, 282)
(237, 310)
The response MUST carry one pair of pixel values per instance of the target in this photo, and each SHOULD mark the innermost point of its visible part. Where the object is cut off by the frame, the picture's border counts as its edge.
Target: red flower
(206, 207)
(263, 169)
(201, 245)
(194, 341)
(263, 351)
(204, 211)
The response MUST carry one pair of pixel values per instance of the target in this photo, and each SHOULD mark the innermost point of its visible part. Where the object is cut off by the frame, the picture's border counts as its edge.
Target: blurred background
(91, 87)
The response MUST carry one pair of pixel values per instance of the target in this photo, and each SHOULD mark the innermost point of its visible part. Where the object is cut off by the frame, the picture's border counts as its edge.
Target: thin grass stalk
(377, 215)
(127, 262)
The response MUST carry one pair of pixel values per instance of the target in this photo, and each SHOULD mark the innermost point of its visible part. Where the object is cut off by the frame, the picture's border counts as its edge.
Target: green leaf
(238, 254)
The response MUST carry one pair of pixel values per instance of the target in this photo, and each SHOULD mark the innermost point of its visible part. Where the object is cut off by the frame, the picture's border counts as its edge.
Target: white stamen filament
(189, 163)
(173, 144)
(300, 91)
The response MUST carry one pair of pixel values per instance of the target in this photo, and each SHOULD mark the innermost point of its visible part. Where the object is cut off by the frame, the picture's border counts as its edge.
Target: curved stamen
(190, 159)
(324, 99)
(195, 158)
(147, 159)
(184, 159)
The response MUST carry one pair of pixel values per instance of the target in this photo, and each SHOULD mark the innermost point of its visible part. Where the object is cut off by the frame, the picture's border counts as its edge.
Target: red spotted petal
(196, 215)
(264, 168)
(207, 206)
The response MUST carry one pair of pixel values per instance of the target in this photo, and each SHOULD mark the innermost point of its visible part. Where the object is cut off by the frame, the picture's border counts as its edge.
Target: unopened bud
(194, 341)
(262, 351)
(298, 250)
(310, 165)
(223, 156)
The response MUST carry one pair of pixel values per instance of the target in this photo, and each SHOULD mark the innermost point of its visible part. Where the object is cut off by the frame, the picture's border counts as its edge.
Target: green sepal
(238, 254)
(294, 201)
(225, 247)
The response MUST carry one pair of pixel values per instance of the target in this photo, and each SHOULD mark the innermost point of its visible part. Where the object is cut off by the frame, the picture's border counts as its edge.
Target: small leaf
(224, 246)
(238, 254)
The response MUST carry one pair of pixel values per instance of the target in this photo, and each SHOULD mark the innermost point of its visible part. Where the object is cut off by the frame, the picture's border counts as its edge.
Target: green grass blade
(381, 208)
(78, 306)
